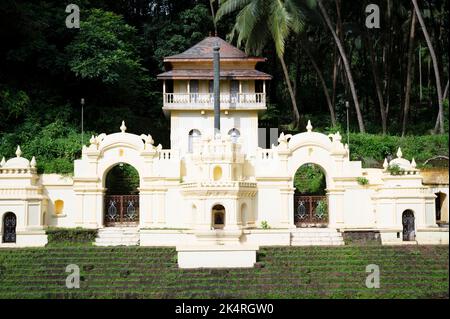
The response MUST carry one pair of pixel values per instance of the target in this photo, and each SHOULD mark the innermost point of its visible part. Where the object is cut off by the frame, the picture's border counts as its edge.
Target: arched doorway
(439, 203)
(310, 200)
(122, 196)
(409, 232)
(218, 217)
(9, 228)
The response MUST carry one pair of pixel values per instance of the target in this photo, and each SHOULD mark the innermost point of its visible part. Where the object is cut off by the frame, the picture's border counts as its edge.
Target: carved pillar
(231, 218)
(287, 207)
(336, 216)
(145, 208)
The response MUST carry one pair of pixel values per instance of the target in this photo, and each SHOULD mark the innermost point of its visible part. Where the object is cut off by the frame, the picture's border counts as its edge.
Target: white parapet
(217, 256)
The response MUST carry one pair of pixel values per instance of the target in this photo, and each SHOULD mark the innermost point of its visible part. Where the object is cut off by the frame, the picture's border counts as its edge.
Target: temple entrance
(310, 200)
(9, 228)
(409, 232)
(122, 196)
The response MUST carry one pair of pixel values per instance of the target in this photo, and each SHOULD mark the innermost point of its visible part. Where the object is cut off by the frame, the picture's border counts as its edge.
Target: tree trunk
(211, 4)
(387, 58)
(435, 67)
(336, 57)
(322, 81)
(444, 96)
(377, 85)
(346, 66)
(412, 34)
(295, 112)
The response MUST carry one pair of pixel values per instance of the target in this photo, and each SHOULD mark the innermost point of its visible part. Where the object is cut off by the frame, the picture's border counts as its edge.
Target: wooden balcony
(205, 101)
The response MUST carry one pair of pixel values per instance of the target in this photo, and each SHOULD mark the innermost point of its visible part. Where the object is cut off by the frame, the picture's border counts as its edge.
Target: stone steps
(117, 236)
(316, 237)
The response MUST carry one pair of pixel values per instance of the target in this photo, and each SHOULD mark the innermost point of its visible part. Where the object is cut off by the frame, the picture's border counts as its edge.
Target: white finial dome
(33, 162)
(18, 151)
(309, 126)
(123, 128)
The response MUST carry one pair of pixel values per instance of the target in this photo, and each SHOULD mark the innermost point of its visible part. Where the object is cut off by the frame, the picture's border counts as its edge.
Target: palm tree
(346, 66)
(211, 6)
(261, 20)
(409, 71)
(435, 67)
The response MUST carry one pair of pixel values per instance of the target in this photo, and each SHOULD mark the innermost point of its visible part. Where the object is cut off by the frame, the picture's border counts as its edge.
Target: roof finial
(413, 163)
(309, 126)
(123, 128)
(215, 33)
(2, 162)
(385, 164)
(399, 153)
(33, 162)
(18, 151)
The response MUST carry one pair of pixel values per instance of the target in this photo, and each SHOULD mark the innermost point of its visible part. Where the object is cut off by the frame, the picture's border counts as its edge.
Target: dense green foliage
(371, 149)
(310, 180)
(288, 272)
(57, 236)
(122, 179)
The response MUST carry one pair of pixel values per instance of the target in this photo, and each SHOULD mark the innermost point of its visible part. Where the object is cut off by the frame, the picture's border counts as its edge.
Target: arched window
(234, 134)
(409, 230)
(218, 216)
(217, 173)
(9, 228)
(193, 135)
(440, 203)
(59, 206)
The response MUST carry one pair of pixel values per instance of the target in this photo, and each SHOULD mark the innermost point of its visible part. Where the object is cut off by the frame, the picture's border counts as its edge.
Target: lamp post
(347, 106)
(82, 122)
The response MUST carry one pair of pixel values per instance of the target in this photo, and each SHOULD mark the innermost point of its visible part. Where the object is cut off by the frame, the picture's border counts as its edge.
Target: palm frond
(246, 21)
(297, 22)
(229, 6)
(278, 24)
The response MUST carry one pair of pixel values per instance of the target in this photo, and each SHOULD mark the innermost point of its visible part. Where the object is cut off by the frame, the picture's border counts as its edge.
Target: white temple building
(218, 194)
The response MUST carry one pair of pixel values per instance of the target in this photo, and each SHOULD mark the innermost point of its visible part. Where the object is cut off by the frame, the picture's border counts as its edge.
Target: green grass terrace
(281, 272)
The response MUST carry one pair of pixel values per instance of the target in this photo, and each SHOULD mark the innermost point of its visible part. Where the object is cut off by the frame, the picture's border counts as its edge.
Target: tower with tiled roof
(189, 99)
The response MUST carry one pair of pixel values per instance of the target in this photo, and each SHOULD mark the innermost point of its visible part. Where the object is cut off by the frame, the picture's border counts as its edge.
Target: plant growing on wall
(395, 170)
(362, 181)
(265, 225)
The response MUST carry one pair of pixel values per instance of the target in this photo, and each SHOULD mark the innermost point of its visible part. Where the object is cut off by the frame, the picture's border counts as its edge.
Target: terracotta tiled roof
(209, 75)
(204, 50)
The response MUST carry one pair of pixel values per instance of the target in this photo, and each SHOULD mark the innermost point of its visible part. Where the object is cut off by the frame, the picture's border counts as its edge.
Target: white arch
(314, 148)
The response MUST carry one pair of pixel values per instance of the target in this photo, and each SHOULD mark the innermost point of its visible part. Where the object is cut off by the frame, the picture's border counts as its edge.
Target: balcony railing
(204, 100)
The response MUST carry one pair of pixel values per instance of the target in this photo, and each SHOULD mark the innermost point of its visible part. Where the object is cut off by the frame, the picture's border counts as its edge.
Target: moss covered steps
(287, 272)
